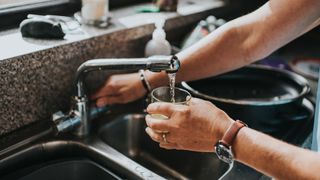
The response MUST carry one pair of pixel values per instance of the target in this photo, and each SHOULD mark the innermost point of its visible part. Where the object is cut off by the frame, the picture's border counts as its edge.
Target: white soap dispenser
(158, 45)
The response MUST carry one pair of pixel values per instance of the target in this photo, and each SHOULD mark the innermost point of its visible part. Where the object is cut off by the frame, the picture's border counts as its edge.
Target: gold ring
(164, 137)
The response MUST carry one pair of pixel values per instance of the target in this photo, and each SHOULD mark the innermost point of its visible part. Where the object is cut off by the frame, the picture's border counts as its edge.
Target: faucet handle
(64, 123)
(56, 117)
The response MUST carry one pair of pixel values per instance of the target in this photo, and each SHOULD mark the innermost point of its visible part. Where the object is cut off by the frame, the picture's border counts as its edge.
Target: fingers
(169, 146)
(108, 100)
(153, 135)
(197, 101)
(158, 137)
(161, 108)
(107, 90)
(158, 124)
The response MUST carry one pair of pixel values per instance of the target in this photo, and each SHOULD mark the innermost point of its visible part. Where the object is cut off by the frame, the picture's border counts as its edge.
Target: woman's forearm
(228, 48)
(208, 57)
(275, 158)
(219, 52)
(245, 40)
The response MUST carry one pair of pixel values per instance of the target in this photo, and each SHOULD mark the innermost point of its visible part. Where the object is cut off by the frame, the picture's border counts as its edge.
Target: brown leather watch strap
(232, 132)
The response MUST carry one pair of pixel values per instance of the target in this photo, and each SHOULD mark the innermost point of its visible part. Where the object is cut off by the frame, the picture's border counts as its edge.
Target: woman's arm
(275, 158)
(235, 44)
(245, 40)
(199, 126)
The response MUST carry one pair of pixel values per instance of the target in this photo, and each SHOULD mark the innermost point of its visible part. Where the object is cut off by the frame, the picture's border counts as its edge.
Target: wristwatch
(224, 146)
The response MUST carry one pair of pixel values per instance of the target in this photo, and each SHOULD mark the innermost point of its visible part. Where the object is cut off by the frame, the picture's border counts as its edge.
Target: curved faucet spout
(170, 64)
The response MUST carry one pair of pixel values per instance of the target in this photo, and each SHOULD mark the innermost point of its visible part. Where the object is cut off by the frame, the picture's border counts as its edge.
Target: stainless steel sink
(71, 159)
(127, 135)
(118, 148)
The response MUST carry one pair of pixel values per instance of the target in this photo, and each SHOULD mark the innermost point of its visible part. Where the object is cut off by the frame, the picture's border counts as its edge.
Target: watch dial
(224, 153)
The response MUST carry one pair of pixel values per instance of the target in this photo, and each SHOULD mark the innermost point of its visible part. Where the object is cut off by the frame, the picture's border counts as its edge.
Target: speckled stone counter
(37, 80)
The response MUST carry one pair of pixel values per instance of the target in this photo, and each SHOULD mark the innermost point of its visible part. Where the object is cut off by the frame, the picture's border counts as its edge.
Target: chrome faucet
(78, 119)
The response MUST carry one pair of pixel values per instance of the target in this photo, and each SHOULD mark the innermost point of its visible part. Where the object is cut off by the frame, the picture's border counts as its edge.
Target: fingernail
(147, 122)
(151, 108)
(147, 129)
(100, 104)
(148, 108)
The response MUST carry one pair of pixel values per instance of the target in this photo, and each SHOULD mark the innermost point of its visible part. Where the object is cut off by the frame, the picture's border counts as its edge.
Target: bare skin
(237, 43)
(200, 125)
(120, 89)
(199, 118)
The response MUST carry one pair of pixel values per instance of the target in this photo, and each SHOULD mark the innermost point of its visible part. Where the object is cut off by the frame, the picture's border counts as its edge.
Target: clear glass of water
(163, 94)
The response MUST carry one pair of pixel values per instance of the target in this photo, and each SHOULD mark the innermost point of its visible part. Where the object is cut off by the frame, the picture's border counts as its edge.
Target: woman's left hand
(196, 127)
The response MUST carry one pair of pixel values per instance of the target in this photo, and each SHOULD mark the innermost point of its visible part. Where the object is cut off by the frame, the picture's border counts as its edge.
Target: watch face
(224, 153)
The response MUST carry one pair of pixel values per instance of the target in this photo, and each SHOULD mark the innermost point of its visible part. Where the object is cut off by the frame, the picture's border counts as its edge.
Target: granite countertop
(122, 19)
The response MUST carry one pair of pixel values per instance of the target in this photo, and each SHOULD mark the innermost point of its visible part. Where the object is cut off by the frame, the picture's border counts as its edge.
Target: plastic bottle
(158, 45)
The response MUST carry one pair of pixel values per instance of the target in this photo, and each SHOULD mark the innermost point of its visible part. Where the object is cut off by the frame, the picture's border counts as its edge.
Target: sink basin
(63, 160)
(67, 170)
(117, 148)
(71, 159)
(127, 135)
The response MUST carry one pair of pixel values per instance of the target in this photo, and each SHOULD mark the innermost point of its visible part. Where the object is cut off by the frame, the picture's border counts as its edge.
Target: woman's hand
(120, 89)
(196, 127)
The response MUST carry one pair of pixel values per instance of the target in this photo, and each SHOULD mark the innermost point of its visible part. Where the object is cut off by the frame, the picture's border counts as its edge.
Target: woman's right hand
(196, 127)
(120, 89)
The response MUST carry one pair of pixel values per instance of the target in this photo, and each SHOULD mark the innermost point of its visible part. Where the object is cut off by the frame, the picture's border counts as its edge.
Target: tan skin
(237, 43)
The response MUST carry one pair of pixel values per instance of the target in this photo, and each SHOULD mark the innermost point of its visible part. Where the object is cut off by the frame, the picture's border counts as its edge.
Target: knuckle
(220, 113)
(158, 138)
(208, 103)
(111, 86)
(162, 106)
(155, 137)
(124, 99)
(156, 107)
(112, 82)
(104, 101)
(185, 111)
(152, 125)
(179, 147)
(166, 147)
(167, 109)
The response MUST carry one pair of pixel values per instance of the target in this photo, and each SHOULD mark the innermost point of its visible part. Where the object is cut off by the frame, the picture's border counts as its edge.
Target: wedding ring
(164, 137)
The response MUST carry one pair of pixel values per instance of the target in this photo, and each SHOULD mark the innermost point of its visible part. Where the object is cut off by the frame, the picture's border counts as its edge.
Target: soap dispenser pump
(158, 45)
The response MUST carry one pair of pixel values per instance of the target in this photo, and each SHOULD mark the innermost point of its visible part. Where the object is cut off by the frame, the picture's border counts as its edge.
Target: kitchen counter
(122, 20)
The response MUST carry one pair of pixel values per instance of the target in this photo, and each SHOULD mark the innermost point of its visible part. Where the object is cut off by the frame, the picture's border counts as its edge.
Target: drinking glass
(163, 94)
